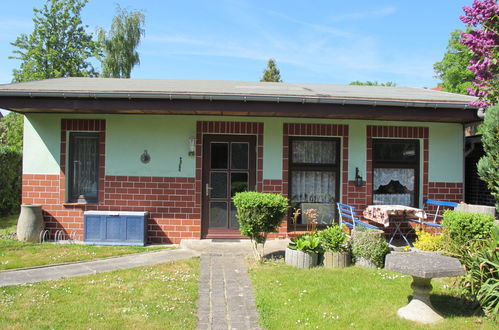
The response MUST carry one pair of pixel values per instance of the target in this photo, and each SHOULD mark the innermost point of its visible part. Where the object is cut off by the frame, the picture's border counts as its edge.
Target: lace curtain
(314, 152)
(383, 176)
(314, 188)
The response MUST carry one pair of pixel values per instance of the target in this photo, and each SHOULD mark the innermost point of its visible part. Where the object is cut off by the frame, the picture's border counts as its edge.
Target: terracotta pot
(337, 259)
(30, 223)
(300, 259)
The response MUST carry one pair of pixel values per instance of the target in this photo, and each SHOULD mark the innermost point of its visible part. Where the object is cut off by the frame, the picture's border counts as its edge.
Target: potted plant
(336, 249)
(303, 252)
(369, 248)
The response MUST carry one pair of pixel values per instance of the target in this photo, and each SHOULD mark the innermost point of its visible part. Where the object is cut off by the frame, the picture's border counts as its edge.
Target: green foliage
(463, 227)
(11, 131)
(481, 260)
(373, 83)
(333, 239)
(271, 73)
(488, 165)
(119, 46)
(58, 46)
(370, 245)
(453, 68)
(259, 213)
(427, 241)
(10, 180)
(307, 243)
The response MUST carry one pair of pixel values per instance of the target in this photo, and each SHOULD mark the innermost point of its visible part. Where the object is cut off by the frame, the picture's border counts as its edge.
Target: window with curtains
(314, 177)
(395, 172)
(83, 166)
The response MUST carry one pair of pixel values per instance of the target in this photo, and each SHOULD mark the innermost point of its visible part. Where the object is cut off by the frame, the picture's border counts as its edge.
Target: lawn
(319, 298)
(159, 297)
(15, 254)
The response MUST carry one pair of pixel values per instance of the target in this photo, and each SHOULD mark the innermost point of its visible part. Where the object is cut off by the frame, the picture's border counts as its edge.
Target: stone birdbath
(422, 266)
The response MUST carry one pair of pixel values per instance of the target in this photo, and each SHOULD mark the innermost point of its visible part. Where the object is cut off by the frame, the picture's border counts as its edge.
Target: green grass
(159, 297)
(291, 298)
(15, 254)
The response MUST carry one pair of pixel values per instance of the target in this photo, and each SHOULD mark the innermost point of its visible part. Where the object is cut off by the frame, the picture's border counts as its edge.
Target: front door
(229, 163)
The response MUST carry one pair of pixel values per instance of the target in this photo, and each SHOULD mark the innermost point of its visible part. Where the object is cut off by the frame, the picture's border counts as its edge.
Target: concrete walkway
(54, 272)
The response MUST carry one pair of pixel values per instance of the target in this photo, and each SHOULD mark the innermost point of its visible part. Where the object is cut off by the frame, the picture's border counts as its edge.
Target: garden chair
(350, 218)
(437, 214)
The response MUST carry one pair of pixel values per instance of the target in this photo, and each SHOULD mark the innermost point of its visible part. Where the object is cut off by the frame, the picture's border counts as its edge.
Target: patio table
(396, 214)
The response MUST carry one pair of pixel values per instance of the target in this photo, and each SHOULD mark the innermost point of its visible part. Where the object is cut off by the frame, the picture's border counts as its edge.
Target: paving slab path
(226, 298)
(54, 272)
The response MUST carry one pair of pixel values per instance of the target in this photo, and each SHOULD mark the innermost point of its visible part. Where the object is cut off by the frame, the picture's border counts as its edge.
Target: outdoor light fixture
(192, 146)
(358, 178)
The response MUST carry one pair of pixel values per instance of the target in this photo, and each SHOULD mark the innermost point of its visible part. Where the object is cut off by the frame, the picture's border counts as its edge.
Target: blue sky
(312, 41)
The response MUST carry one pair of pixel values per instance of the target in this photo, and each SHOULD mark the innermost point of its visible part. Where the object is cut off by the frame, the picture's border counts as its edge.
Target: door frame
(206, 232)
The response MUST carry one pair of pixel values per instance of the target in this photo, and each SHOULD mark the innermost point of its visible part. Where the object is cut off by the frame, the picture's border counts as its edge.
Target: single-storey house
(180, 149)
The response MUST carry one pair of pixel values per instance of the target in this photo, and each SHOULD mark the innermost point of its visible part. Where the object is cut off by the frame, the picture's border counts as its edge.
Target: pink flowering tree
(482, 19)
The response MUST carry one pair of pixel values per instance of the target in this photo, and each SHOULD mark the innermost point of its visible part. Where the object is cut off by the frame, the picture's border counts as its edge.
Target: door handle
(208, 189)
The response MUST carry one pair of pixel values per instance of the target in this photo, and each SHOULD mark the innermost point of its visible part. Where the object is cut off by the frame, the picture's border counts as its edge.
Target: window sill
(68, 204)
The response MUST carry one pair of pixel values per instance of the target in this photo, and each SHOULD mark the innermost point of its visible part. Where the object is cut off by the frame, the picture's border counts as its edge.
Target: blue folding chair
(438, 213)
(350, 218)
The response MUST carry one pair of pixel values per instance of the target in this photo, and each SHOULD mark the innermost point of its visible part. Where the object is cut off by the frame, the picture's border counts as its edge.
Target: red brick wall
(170, 201)
(446, 191)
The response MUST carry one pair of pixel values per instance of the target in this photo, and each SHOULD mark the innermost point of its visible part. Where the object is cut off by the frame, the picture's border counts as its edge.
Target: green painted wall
(166, 140)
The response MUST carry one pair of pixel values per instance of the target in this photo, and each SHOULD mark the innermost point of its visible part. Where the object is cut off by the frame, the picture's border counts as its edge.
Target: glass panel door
(229, 167)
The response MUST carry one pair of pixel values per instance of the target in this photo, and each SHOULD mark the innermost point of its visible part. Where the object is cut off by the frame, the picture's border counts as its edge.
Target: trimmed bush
(370, 245)
(259, 214)
(10, 180)
(462, 227)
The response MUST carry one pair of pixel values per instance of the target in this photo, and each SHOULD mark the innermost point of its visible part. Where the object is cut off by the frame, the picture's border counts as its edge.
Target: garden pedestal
(422, 267)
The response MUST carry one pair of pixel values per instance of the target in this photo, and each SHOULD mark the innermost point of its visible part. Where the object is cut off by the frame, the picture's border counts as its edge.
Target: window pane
(313, 152)
(313, 187)
(219, 155)
(218, 181)
(218, 215)
(239, 183)
(325, 212)
(394, 186)
(400, 151)
(234, 223)
(84, 165)
(239, 156)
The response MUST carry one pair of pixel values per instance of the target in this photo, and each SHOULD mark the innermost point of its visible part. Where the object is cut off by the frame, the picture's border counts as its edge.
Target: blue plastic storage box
(115, 228)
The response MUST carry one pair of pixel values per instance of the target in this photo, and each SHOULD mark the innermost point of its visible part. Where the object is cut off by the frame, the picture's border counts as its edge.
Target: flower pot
(30, 223)
(336, 259)
(300, 259)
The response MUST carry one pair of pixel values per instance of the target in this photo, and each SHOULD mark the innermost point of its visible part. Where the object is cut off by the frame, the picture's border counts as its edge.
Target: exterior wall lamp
(192, 145)
(358, 178)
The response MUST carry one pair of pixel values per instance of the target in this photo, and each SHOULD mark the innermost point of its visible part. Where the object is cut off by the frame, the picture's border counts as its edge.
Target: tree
(488, 165)
(373, 83)
(11, 131)
(119, 45)
(58, 45)
(271, 73)
(482, 39)
(453, 68)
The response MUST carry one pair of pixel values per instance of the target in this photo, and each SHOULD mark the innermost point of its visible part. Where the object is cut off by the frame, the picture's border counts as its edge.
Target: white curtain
(383, 176)
(314, 152)
(392, 199)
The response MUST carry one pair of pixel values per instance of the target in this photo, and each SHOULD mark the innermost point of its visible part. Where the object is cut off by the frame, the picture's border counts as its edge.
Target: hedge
(10, 180)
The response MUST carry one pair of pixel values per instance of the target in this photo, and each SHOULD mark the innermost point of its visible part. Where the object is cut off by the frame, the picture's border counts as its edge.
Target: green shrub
(307, 243)
(333, 239)
(463, 227)
(481, 260)
(10, 180)
(259, 214)
(427, 241)
(370, 245)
